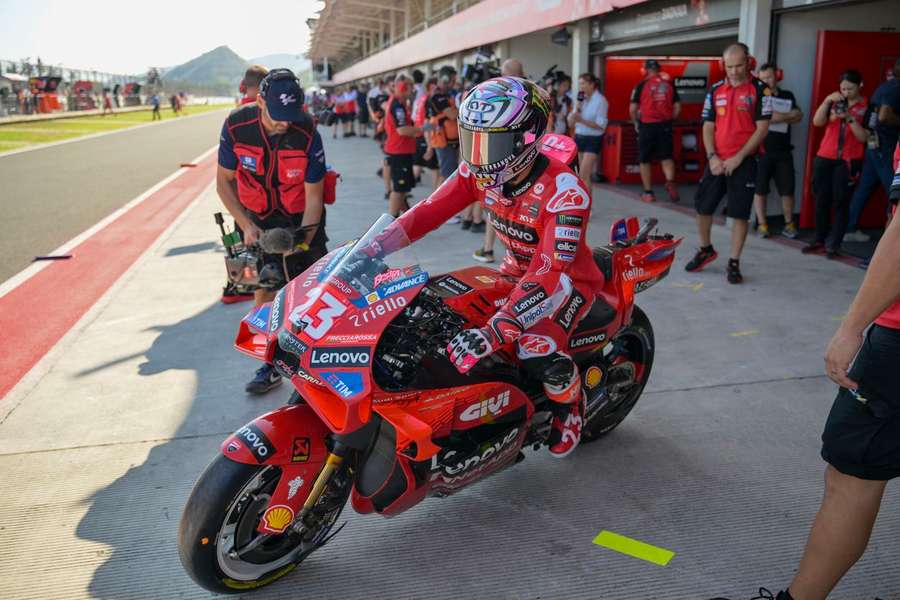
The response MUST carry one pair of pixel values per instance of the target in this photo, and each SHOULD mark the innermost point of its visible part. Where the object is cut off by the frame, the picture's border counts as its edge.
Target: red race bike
(380, 415)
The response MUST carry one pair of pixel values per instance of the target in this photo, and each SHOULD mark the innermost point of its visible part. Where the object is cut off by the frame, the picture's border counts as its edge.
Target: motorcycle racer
(539, 209)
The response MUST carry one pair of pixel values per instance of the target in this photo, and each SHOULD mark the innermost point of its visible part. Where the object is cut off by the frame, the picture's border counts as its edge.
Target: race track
(49, 195)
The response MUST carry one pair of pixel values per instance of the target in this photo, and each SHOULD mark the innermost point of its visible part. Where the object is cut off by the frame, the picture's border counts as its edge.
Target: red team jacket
(735, 111)
(656, 98)
(891, 317)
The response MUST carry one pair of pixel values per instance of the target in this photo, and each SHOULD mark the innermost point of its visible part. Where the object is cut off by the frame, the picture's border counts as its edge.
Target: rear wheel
(626, 376)
(219, 545)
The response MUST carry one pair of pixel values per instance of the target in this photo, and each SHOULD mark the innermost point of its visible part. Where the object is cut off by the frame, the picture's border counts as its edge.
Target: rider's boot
(568, 414)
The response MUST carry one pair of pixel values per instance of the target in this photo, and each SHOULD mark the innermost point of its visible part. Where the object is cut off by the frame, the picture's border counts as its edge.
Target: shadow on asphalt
(201, 343)
(202, 247)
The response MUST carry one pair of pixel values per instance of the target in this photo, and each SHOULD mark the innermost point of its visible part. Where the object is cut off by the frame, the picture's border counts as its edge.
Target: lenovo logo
(344, 356)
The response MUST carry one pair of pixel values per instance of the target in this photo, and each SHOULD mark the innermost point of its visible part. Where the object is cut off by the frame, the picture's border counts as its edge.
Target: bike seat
(603, 256)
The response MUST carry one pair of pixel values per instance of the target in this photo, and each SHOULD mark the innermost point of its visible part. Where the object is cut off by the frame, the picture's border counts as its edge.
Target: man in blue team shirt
(271, 175)
(883, 123)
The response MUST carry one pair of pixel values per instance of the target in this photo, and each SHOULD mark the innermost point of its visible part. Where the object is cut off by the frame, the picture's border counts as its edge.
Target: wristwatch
(709, 155)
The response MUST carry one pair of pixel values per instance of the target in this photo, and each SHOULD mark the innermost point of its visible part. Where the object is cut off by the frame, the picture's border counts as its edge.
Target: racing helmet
(501, 123)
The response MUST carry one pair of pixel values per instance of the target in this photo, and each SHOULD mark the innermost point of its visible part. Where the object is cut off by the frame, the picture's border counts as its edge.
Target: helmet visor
(482, 149)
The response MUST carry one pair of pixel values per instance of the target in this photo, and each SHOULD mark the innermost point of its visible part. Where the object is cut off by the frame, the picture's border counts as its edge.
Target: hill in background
(217, 72)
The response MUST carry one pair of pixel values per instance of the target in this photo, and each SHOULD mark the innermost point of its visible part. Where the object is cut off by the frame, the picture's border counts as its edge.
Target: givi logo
(492, 406)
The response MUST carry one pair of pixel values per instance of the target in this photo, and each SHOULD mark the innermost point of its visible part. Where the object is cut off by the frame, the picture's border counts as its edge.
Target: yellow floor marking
(838, 317)
(744, 333)
(635, 548)
(694, 286)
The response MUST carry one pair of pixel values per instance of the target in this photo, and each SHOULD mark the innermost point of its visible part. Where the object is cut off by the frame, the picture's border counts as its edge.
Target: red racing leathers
(542, 221)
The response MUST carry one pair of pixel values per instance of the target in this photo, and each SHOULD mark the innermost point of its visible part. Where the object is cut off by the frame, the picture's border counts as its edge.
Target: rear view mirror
(631, 229)
(624, 230)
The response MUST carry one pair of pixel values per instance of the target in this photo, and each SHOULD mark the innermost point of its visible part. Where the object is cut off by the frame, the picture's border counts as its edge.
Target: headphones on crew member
(280, 75)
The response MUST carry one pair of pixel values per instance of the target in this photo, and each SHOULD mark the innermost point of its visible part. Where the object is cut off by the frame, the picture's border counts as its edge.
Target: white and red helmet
(501, 123)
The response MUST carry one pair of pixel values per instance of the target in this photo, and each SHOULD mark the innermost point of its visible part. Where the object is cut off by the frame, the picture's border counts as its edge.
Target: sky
(126, 37)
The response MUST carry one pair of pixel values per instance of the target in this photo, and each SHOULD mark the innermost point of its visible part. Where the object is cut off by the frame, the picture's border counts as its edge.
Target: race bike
(381, 416)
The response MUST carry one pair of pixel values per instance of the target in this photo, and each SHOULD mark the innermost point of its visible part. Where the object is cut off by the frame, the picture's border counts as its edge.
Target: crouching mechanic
(540, 210)
(271, 176)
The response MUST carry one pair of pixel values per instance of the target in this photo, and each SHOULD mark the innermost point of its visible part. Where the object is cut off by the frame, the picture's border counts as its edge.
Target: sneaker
(764, 594)
(565, 430)
(454, 220)
(466, 224)
(266, 379)
(648, 197)
(672, 189)
(813, 248)
(733, 272)
(790, 231)
(762, 230)
(478, 227)
(856, 236)
(701, 259)
(482, 255)
(231, 295)
(832, 254)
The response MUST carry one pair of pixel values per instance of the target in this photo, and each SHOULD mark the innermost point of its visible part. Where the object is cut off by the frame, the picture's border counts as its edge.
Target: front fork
(342, 449)
(332, 464)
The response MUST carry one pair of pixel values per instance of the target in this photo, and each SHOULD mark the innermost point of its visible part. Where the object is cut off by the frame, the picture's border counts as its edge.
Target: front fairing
(324, 325)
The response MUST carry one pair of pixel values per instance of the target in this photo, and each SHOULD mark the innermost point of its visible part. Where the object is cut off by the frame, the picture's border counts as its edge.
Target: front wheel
(219, 545)
(627, 374)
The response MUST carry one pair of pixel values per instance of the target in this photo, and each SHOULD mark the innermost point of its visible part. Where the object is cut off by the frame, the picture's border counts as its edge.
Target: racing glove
(471, 345)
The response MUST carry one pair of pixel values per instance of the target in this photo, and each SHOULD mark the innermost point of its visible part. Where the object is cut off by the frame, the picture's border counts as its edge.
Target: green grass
(19, 135)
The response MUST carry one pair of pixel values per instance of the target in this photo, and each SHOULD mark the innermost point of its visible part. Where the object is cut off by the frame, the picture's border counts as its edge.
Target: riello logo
(492, 406)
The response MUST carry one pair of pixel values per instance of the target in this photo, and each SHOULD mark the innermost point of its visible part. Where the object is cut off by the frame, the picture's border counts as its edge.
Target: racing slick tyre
(627, 371)
(217, 538)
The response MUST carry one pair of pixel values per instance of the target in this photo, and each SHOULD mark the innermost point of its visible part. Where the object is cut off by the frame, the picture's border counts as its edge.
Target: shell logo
(592, 377)
(278, 517)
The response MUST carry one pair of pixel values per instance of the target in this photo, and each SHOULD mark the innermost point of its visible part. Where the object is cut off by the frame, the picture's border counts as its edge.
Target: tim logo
(287, 99)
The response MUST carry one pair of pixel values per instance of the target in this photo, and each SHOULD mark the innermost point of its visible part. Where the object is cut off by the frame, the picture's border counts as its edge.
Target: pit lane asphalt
(49, 195)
